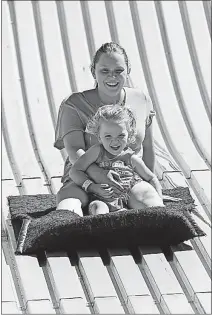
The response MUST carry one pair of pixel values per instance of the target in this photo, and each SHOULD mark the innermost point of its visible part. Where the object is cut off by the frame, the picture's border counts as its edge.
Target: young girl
(115, 128)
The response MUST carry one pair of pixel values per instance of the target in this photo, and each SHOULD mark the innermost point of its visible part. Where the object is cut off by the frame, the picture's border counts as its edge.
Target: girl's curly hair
(115, 113)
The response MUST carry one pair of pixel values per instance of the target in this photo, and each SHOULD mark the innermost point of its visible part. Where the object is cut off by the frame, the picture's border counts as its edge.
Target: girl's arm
(140, 168)
(78, 169)
(145, 173)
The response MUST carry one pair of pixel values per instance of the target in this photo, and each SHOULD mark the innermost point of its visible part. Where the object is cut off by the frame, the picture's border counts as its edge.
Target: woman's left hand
(102, 176)
(115, 181)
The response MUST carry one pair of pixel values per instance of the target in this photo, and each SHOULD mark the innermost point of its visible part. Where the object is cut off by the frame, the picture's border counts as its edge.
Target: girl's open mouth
(115, 148)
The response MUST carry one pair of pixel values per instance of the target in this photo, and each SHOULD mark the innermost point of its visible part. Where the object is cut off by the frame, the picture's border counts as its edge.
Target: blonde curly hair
(115, 113)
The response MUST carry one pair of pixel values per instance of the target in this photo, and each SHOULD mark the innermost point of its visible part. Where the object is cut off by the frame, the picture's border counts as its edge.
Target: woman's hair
(115, 113)
(109, 48)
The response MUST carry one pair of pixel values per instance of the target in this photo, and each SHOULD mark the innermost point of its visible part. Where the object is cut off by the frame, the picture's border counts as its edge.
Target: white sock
(71, 204)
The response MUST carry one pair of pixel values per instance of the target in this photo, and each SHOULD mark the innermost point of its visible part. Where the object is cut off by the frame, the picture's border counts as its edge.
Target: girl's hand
(101, 190)
(156, 184)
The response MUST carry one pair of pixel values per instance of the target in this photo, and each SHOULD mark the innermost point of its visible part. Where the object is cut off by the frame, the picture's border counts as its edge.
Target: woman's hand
(101, 176)
(114, 179)
(101, 190)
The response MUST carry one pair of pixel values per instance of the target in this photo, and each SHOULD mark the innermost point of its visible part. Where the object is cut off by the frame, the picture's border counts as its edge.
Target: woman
(110, 68)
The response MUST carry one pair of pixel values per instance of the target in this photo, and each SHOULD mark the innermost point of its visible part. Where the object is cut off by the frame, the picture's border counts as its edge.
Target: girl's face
(111, 73)
(113, 136)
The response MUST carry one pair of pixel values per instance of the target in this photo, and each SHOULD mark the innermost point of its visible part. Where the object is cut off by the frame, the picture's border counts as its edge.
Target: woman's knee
(71, 190)
(71, 204)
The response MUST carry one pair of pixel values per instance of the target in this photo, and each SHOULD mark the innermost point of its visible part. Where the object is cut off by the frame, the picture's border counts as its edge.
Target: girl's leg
(144, 195)
(72, 197)
(97, 207)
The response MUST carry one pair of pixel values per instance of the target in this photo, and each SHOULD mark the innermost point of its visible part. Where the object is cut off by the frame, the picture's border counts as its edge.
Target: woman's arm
(79, 176)
(148, 149)
(74, 144)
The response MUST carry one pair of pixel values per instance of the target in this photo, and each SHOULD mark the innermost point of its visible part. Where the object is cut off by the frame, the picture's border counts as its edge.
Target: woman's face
(111, 73)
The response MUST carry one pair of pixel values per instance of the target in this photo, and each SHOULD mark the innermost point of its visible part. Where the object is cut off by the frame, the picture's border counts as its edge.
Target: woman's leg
(72, 197)
(97, 207)
(144, 195)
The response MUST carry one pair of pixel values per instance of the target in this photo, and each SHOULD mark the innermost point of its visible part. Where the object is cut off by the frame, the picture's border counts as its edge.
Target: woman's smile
(112, 85)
